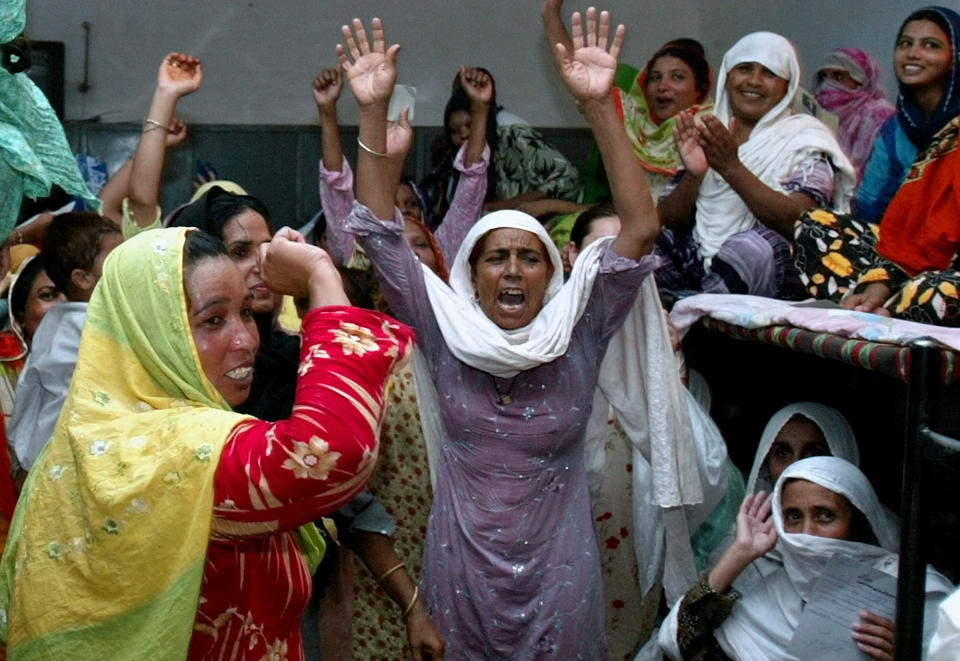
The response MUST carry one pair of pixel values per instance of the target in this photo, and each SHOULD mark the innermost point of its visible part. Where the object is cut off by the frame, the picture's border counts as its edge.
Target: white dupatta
(777, 144)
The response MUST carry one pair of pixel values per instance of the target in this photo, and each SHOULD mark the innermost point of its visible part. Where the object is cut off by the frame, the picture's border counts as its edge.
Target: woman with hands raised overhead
(336, 176)
(510, 566)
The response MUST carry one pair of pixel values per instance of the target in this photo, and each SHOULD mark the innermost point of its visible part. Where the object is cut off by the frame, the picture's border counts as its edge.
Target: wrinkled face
(811, 509)
(599, 228)
(511, 276)
(420, 244)
(221, 320)
(243, 234)
(839, 76)
(923, 55)
(459, 127)
(43, 295)
(753, 90)
(671, 87)
(408, 202)
(799, 439)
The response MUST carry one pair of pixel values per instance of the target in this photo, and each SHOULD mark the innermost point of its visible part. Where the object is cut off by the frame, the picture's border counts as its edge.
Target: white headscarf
(834, 427)
(778, 142)
(763, 621)
(476, 340)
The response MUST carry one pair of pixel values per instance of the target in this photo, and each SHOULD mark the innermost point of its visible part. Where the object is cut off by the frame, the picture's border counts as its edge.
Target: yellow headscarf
(107, 546)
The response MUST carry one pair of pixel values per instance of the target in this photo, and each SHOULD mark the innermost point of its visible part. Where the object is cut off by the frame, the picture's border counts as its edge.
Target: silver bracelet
(155, 124)
(368, 150)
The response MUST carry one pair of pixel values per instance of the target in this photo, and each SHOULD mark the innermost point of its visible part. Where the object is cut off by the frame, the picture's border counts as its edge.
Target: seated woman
(849, 84)
(675, 78)
(907, 266)
(151, 474)
(471, 162)
(821, 506)
(750, 171)
(523, 166)
(511, 564)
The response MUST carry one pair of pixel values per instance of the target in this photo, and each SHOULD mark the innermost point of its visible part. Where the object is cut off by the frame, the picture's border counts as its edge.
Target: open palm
(371, 72)
(755, 530)
(685, 136)
(588, 71)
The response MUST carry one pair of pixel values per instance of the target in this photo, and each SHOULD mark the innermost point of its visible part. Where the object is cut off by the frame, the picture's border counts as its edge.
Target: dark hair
(55, 200)
(691, 52)
(22, 286)
(200, 245)
(73, 241)
(928, 14)
(584, 222)
(213, 211)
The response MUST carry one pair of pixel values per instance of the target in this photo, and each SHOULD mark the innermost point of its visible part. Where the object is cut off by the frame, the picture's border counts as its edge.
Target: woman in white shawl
(821, 507)
(798, 431)
(510, 567)
(750, 171)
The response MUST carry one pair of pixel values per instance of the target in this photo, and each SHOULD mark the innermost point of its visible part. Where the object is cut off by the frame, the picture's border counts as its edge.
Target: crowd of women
(470, 383)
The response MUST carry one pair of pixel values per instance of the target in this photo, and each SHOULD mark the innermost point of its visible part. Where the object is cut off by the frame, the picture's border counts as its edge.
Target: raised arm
(479, 87)
(117, 186)
(326, 91)
(755, 537)
(553, 27)
(588, 72)
(371, 72)
(178, 76)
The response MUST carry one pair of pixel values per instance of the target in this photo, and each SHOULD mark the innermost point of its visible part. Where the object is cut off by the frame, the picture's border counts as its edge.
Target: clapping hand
(686, 135)
(588, 72)
(719, 145)
(371, 72)
(400, 136)
(180, 74)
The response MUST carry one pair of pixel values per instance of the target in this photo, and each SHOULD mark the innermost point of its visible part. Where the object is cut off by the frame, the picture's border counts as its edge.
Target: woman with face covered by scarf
(750, 171)
(849, 84)
(821, 507)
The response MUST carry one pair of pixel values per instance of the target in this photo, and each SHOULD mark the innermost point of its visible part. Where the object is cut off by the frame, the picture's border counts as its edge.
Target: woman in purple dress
(509, 359)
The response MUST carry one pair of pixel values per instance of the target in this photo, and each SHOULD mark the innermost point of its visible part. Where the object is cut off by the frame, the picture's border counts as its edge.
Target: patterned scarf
(106, 550)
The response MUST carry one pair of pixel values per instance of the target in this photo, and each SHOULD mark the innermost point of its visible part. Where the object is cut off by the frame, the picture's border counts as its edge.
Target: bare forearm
(774, 209)
(147, 168)
(639, 222)
(554, 29)
(373, 174)
(379, 556)
(114, 191)
(728, 567)
(678, 209)
(330, 148)
(479, 113)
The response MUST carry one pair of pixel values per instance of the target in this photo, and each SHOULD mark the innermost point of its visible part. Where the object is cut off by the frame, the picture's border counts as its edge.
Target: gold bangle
(413, 600)
(367, 149)
(384, 575)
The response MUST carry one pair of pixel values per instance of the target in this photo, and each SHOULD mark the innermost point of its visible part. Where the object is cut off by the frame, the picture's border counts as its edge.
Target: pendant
(504, 399)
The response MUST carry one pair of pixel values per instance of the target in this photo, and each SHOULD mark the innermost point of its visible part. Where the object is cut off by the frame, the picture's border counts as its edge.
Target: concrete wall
(260, 55)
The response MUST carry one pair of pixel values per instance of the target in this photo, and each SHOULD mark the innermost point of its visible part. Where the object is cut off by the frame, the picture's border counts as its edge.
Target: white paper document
(846, 589)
